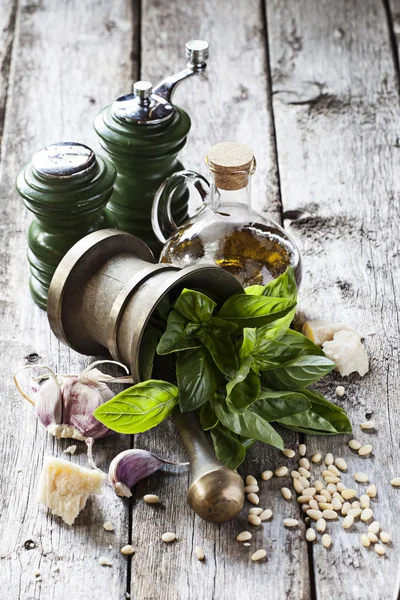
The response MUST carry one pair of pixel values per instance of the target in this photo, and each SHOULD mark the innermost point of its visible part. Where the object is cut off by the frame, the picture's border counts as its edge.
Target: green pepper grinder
(66, 186)
(142, 134)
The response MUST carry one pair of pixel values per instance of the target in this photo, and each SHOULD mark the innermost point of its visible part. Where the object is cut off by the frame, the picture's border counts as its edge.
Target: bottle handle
(161, 215)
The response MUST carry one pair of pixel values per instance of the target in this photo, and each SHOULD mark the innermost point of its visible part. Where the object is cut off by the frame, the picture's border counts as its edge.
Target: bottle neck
(220, 196)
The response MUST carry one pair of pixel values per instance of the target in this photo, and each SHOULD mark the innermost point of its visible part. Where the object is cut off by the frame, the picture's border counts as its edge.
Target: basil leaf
(298, 343)
(172, 339)
(283, 286)
(329, 411)
(148, 349)
(139, 407)
(254, 311)
(317, 398)
(195, 306)
(272, 406)
(227, 447)
(249, 341)
(308, 421)
(276, 328)
(208, 418)
(197, 381)
(247, 442)
(191, 330)
(271, 353)
(220, 327)
(298, 373)
(247, 424)
(222, 351)
(244, 393)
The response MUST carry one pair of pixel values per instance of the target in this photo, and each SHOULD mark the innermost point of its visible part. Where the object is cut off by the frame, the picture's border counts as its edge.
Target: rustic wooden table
(313, 87)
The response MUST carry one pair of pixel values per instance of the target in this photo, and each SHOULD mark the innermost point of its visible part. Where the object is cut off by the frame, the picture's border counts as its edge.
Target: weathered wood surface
(335, 103)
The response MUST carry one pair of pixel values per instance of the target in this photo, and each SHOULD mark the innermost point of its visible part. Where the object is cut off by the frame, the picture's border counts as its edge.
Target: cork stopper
(231, 164)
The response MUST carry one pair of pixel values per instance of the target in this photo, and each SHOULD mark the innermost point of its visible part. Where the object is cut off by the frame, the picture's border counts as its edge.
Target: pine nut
(329, 515)
(304, 462)
(365, 501)
(305, 508)
(326, 540)
(304, 481)
(250, 480)
(338, 496)
(151, 499)
(385, 537)
(340, 390)
(325, 506)
(340, 487)
(366, 514)
(244, 536)
(327, 495)
(286, 493)
(379, 549)
(356, 504)
(302, 449)
(336, 504)
(321, 525)
(374, 527)
(365, 450)
(334, 470)
(199, 552)
(316, 458)
(371, 491)
(326, 473)
(319, 498)
(304, 499)
(348, 494)
(361, 477)
(102, 560)
(355, 512)
(318, 486)
(168, 537)
(309, 491)
(367, 425)
(328, 459)
(256, 510)
(341, 464)
(265, 475)
(331, 488)
(372, 537)
(288, 453)
(298, 486)
(281, 471)
(348, 522)
(365, 541)
(254, 519)
(266, 514)
(304, 472)
(258, 555)
(332, 479)
(128, 549)
(395, 482)
(345, 508)
(295, 475)
(314, 514)
(290, 522)
(354, 444)
(249, 489)
(310, 535)
(108, 526)
(253, 498)
(314, 504)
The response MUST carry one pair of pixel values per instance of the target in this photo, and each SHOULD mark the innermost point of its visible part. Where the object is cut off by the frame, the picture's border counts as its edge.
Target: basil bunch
(239, 366)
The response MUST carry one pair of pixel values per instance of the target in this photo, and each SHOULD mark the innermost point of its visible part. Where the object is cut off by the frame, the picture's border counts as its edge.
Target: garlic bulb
(65, 403)
(130, 466)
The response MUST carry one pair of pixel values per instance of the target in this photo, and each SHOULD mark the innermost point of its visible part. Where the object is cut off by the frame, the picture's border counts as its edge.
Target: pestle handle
(216, 493)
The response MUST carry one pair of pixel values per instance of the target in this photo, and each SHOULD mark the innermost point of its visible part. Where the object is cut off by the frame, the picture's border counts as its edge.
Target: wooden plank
(68, 61)
(229, 103)
(337, 120)
(7, 25)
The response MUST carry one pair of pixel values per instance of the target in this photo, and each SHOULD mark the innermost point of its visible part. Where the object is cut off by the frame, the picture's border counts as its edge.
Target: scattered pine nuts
(354, 444)
(199, 552)
(360, 477)
(253, 498)
(302, 449)
(108, 526)
(328, 459)
(340, 390)
(325, 506)
(365, 540)
(265, 475)
(250, 480)
(127, 550)
(304, 472)
(366, 515)
(321, 525)
(258, 555)
(332, 479)
(104, 562)
(249, 489)
(326, 540)
(355, 504)
(348, 522)
(151, 499)
(367, 425)
(281, 471)
(327, 495)
(379, 549)
(266, 514)
(371, 491)
(355, 512)
(289, 453)
(329, 515)
(286, 493)
(168, 537)
(290, 522)
(309, 491)
(319, 486)
(244, 536)
(341, 464)
(395, 482)
(372, 537)
(348, 494)
(255, 510)
(305, 508)
(304, 462)
(331, 488)
(304, 499)
(384, 537)
(304, 481)
(310, 535)
(314, 504)
(340, 487)
(365, 450)
(345, 508)
(316, 458)
(254, 519)
(365, 501)
(314, 514)
(374, 527)
(298, 486)
(334, 470)
(295, 475)
(336, 504)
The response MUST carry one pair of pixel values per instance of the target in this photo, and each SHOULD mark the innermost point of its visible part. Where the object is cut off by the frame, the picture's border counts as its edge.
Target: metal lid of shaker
(150, 106)
(65, 160)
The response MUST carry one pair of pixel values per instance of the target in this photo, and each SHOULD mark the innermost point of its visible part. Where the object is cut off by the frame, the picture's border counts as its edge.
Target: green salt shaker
(66, 186)
(142, 134)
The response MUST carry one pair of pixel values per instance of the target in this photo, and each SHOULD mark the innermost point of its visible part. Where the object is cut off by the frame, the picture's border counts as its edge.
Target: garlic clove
(48, 403)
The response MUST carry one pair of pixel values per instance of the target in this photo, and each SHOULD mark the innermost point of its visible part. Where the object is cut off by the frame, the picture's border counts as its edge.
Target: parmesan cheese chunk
(347, 351)
(323, 331)
(64, 487)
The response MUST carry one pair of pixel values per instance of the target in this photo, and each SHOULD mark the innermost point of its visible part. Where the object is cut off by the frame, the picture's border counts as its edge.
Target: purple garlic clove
(48, 403)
